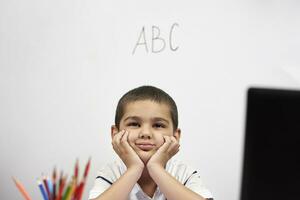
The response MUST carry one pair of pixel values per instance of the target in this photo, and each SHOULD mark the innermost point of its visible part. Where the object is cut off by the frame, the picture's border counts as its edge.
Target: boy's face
(147, 122)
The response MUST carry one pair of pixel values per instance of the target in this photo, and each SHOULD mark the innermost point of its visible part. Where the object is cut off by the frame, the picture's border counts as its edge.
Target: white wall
(64, 64)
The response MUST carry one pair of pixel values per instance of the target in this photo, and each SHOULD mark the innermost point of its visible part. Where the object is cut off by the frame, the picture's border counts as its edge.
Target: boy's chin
(145, 156)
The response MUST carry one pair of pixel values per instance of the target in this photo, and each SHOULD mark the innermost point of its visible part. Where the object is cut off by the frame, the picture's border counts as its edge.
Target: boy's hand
(126, 153)
(164, 153)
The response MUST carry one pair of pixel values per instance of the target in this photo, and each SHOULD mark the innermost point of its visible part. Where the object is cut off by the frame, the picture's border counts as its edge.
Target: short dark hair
(146, 93)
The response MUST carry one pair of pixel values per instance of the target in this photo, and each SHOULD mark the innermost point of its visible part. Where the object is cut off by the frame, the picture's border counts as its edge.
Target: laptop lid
(271, 165)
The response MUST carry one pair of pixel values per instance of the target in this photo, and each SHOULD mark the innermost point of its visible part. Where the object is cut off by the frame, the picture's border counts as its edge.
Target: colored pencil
(47, 187)
(76, 171)
(79, 191)
(50, 186)
(21, 189)
(87, 168)
(71, 193)
(42, 189)
(86, 171)
(54, 184)
(68, 190)
(61, 188)
(60, 185)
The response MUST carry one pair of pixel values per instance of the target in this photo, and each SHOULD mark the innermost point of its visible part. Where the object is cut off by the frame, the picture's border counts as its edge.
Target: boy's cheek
(132, 138)
(160, 141)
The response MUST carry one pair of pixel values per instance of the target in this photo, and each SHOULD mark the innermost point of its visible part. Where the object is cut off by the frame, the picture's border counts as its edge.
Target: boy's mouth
(145, 146)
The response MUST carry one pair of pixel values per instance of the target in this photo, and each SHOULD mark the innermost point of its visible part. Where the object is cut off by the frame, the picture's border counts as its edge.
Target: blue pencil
(50, 186)
(44, 194)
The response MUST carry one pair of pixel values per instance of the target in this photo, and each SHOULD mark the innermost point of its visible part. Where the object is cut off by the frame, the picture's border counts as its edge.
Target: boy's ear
(177, 134)
(114, 130)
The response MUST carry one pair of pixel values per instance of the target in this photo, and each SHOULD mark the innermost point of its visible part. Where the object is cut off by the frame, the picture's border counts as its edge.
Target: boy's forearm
(122, 187)
(169, 186)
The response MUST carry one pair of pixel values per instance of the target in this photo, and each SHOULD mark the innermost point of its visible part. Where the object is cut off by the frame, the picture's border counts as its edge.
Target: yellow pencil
(21, 189)
(70, 195)
(69, 191)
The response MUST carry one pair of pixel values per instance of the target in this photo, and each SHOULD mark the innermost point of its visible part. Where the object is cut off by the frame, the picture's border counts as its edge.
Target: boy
(146, 136)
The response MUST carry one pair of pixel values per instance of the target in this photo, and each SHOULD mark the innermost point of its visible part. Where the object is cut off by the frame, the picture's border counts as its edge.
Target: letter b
(157, 39)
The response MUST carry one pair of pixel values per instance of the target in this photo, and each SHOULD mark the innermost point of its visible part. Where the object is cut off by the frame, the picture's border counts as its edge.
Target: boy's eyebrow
(138, 119)
(160, 119)
(132, 117)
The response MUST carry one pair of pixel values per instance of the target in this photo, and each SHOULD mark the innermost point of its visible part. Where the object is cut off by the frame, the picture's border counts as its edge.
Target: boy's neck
(145, 178)
(147, 184)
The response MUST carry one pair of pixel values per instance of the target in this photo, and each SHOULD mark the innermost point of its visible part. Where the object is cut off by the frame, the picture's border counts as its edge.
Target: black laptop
(271, 165)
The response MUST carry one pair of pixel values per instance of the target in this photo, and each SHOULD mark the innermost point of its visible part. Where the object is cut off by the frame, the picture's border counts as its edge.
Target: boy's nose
(145, 134)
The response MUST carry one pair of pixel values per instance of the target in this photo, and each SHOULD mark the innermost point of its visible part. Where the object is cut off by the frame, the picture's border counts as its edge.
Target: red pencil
(86, 171)
(61, 188)
(76, 171)
(80, 191)
(87, 168)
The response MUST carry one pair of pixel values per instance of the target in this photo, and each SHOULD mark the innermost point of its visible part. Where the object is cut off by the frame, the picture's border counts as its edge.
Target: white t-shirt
(180, 171)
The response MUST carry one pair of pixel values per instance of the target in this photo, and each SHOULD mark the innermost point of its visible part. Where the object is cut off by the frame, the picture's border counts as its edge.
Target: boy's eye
(133, 124)
(158, 125)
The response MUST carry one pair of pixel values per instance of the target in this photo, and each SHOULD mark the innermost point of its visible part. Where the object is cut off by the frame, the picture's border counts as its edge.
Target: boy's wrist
(154, 166)
(136, 169)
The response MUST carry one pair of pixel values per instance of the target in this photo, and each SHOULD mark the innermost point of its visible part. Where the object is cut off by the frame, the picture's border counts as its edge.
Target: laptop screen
(271, 168)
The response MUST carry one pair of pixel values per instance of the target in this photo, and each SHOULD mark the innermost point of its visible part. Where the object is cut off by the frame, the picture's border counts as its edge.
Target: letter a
(139, 41)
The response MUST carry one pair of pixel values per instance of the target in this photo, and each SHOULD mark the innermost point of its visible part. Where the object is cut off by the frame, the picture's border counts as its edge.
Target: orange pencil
(21, 189)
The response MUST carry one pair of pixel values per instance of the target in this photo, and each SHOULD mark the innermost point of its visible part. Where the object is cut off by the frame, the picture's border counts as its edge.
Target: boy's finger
(124, 138)
(173, 139)
(124, 141)
(121, 142)
(174, 146)
(117, 137)
(120, 135)
(176, 151)
(167, 143)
